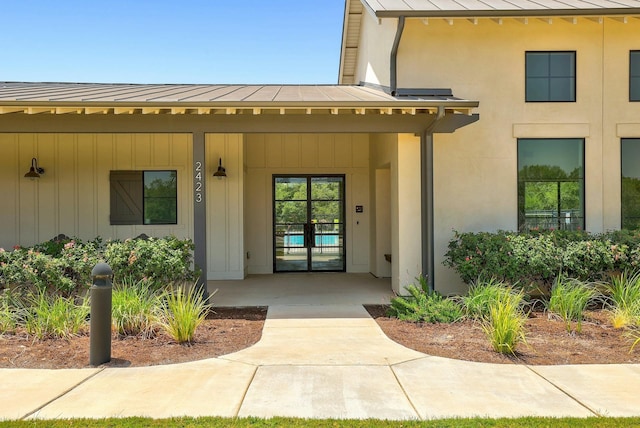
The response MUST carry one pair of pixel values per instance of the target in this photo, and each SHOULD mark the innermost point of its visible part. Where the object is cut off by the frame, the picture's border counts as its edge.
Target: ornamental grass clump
(135, 308)
(624, 295)
(482, 293)
(505, 324)
(569, 300)
(182, 312)
(50, 316)
(422, 305)
(11, 311)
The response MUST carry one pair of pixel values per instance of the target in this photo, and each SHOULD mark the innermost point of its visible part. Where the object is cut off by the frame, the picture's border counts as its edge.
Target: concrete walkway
(323, 361)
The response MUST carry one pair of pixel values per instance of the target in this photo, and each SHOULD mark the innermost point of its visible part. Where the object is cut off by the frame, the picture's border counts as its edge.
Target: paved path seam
(246, 390)
(595, 413)
(406, 394)
(62, 394)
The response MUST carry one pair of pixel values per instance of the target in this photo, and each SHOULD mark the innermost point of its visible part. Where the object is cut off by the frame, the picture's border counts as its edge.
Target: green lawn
(329, 423)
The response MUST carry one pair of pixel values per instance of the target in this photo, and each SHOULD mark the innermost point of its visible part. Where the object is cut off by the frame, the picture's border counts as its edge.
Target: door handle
(312, 235)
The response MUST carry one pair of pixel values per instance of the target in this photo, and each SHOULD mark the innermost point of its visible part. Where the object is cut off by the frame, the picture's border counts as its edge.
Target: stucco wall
(269, 154)
(475, 170)
(376, 40)
(72, 196)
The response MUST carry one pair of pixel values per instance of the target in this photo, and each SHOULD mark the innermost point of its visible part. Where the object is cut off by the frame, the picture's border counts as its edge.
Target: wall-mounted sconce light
(35, 170)
(221, 172)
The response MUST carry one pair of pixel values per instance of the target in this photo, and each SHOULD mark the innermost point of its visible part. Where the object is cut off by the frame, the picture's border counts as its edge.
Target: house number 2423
(198, 182)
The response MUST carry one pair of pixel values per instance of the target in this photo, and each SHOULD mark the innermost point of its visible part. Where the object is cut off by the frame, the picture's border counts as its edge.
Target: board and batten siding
(317, 154)
(72, 196)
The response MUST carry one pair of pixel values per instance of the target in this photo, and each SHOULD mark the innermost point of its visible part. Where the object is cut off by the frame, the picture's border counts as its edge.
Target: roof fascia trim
(345, 28)
(517, 13)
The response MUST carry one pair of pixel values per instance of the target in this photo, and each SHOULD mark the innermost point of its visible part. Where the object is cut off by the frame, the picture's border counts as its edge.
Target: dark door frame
(309, 178)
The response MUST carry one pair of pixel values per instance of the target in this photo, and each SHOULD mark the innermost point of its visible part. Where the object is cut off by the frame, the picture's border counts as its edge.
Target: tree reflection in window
(550, 194)
(630, 204)
(160, 197)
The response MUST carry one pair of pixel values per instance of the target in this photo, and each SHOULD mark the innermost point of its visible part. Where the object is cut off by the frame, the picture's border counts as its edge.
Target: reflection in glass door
(308, 223)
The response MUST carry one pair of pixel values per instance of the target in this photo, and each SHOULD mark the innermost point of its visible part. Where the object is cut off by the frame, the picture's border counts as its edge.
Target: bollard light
(100, 324)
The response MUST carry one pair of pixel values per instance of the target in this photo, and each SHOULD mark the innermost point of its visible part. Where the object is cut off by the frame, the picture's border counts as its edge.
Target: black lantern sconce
(35, 171)
(221, 172)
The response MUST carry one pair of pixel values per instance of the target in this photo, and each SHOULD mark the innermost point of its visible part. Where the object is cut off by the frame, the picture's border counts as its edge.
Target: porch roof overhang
(501, 8)
(225, 108)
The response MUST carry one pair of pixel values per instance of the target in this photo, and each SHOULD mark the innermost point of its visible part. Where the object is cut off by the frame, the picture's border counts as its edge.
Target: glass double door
(308, 223)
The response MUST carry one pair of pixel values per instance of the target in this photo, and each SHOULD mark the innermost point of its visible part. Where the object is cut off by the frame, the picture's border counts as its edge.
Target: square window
(550, 76)
(550, 184)
(144, 197)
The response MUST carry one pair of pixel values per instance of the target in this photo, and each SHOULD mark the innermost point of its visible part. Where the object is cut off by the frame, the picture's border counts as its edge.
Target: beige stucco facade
(475, 168)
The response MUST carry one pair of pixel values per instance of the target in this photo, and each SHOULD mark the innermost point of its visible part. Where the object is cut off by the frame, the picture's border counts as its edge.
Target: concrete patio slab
(204, 388)
(327, 288)
(23, 391)
(310, 335)
(298, 316)
(441, 388)
(327, 392)
(608, 390)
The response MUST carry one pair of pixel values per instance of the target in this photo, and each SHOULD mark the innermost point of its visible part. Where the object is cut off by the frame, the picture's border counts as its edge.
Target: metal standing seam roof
(497, 8)
(29, 97)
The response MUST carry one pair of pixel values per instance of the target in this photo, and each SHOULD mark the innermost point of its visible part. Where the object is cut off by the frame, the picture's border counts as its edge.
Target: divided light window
(550, 184)
(550, 76)
(630, 204)
(634, 76)
(144, 197)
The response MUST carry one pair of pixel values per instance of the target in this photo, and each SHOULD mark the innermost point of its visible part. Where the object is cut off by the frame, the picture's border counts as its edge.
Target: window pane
(630, 150)
(550, 158)
(537, 64)
(562, 89)
(291, 212)
(537, 89)
(160, 197)
(327, 188)
(634, 63)
(561, 64)
(634, 89)
(551, 184)
(291, 188)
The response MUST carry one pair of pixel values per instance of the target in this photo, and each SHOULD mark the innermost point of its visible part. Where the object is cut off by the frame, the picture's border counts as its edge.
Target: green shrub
(504, 326)
(482, 294)
(569, 299)
(135, 308)
(182, 312)
(55, 316)
(536, 257)
(26, 267)
(65, 266)
(424, 306)
(164, 260)
(588, 260)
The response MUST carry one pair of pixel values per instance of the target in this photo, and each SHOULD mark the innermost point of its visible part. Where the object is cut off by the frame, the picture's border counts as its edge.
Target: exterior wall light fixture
(35, 171)
(221, 172)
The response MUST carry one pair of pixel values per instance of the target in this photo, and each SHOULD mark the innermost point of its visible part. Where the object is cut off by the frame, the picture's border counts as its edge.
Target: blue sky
(180, 41)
